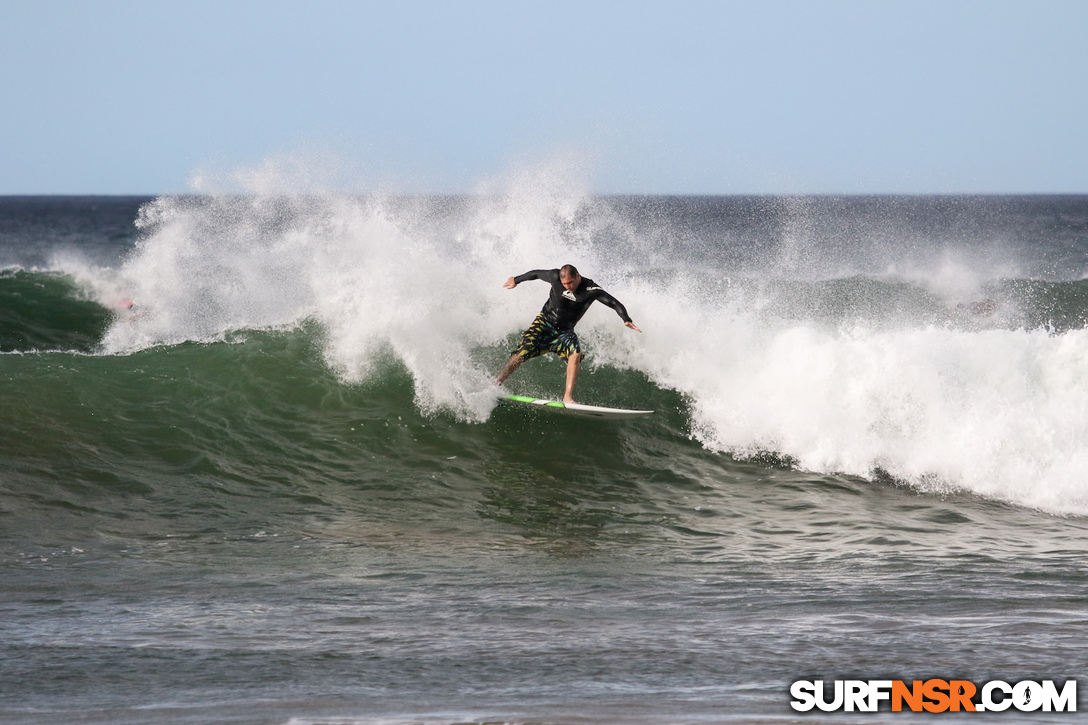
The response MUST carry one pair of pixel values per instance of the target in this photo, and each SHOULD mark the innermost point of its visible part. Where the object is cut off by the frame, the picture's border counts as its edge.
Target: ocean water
(253, 468)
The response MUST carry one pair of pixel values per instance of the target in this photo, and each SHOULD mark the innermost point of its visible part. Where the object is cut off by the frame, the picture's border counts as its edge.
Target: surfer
(553, 328)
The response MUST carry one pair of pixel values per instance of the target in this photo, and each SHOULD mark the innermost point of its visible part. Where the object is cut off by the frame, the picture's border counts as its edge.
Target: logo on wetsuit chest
(570, 295)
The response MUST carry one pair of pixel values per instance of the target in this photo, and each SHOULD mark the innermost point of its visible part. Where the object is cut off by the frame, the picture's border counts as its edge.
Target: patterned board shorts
(542, 337)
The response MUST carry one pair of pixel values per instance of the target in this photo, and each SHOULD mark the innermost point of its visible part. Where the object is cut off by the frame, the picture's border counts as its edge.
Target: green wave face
(48, 311)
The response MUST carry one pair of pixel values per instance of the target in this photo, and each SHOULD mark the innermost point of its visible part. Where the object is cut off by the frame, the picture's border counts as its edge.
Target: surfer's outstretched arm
(607, 299)
(548, 275)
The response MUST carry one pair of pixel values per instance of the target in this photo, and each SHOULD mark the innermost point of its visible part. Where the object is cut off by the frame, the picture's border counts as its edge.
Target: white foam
(1000, 413)
(381, 274)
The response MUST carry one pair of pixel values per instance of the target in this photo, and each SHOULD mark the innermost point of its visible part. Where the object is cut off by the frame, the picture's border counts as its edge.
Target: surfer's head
(569, 277)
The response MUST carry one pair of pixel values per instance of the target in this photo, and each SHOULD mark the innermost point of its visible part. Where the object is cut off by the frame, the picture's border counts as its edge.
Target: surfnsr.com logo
(934, 696)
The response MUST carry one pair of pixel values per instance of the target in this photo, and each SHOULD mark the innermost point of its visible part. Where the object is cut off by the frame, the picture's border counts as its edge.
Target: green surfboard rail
(527, 399)
(576, 409)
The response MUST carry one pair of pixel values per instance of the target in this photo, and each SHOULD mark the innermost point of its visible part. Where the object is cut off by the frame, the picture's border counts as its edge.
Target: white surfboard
(584, 411)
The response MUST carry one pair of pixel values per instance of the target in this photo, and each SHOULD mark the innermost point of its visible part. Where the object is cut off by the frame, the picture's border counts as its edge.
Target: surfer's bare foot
(569, 399)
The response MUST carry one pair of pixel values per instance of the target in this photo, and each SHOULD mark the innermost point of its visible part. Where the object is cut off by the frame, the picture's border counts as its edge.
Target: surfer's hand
(632, 326)
(510, 284)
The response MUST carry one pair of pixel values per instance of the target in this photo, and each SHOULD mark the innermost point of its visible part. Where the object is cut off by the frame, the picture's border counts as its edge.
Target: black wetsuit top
(564, 308)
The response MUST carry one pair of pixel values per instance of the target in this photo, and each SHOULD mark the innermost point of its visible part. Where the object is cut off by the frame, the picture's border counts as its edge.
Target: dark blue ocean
(253, 468)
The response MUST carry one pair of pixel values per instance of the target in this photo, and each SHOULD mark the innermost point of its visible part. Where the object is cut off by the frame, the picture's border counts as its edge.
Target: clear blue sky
(769, 96)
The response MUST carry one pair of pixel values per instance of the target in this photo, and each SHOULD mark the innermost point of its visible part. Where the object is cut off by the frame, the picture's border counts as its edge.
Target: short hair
(568, 270)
